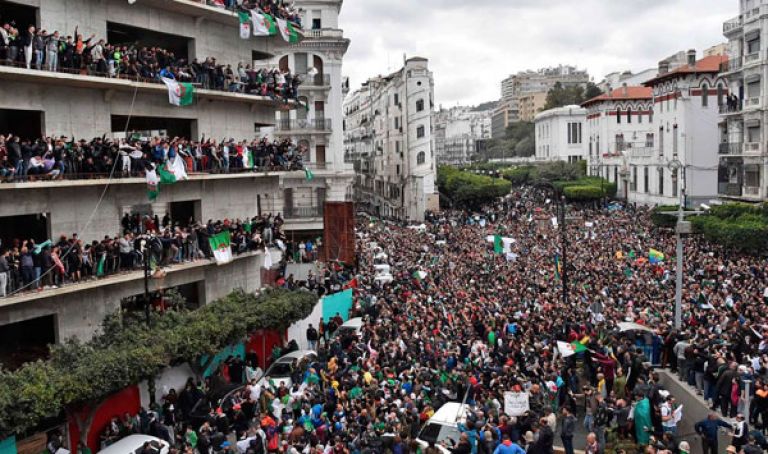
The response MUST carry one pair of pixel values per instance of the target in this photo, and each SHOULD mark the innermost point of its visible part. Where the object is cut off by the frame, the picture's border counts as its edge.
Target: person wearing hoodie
(508, 447)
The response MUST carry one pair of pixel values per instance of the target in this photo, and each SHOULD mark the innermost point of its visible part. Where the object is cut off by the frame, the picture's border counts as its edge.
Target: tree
(559, 96)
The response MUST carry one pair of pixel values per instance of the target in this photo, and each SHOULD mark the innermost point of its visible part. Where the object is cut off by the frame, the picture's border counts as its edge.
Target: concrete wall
(80, 309)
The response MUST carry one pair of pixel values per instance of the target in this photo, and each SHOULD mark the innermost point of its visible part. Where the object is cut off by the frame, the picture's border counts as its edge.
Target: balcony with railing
(732, 25)
(315, 81)
(728, 108)
(753, 148)
(753, 57)
(319, 33)
(734, 148)
(641, 152)
(292, 212)
(730, 65)
(322, 125)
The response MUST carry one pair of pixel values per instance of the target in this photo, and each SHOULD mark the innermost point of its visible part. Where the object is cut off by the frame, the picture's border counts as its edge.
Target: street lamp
(682, 227)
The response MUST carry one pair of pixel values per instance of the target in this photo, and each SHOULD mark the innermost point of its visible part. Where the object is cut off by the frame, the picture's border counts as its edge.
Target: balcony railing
(316, 80)
(729, 189)
(754, 56)
(733, 24)
(753, 147)
(731, 109)
(323, 33)
(733, 64)
(730, 147)
(292, 212)
(752, 190)
(641, 151)
(321, 124)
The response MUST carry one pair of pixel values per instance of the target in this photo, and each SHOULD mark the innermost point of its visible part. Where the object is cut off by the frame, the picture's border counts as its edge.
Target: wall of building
(552, 134)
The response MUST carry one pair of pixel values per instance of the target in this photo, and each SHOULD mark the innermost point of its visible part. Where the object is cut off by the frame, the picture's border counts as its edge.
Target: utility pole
(564, 240)
(682, 227)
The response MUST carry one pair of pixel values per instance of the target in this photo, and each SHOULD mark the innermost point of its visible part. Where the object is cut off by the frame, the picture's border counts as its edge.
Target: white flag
(267, 258)
(260, 25)
(178, 169)
(565, 349)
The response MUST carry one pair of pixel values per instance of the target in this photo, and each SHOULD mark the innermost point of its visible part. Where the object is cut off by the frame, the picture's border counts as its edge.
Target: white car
(443, 426)
(283, 369)
(351, 326)
(133, 444)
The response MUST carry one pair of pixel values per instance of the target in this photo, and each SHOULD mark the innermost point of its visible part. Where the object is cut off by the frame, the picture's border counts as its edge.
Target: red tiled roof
(709, 64)
(622, 93)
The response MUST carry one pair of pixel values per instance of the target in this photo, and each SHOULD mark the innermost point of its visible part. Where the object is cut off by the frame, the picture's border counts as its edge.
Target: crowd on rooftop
(23, 159)
(460, 322)
(276, 8)
(27, 265)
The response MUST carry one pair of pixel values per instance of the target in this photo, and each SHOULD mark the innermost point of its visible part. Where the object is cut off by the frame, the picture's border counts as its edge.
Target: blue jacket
(708, 428)
(508, 447)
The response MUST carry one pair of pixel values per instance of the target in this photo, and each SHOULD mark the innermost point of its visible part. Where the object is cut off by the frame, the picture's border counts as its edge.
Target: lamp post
(682, 227)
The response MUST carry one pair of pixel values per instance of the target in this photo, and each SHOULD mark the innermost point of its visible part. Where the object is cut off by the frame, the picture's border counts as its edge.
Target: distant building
(560, 134)
(458, 133)
(531, 104)
(504, 114)
(717, 49)
(388, 138)
(617, 79)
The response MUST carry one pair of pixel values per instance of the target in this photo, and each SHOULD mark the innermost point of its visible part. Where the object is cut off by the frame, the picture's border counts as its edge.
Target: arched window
(419, 105)
(629, 115)
(618, 115)
(705, 95)
(421, 158)
(720, 93)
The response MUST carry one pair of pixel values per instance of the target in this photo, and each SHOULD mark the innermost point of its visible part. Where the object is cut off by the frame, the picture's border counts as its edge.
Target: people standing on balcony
(38, 48)
(27, 39)
(52, 46)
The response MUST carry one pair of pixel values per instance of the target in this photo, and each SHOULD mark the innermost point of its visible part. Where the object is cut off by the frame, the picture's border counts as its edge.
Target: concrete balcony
(752, 102)
(641, 152)
(730, 148)
(299, 127)
(753, 148)
(320, 33)
(732, 26)
(731, 66)
(754, 57)
(315, 82)
(725, 109)
(113, 84)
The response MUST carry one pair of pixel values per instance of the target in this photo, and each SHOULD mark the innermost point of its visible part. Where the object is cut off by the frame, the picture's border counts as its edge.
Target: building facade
(505, 113)
(619, 123)
(388, 138)
(743, 138)
(458, 134)
(40, 102)
(318, 128)
(531, 104)
(560, 134)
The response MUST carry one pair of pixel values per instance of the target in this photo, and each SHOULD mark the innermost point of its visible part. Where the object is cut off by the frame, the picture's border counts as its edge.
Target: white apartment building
(743, 135)
(685, 124)
(618, 123)
(560, 134)
(318, 129)
(388, 137)
(458, 132)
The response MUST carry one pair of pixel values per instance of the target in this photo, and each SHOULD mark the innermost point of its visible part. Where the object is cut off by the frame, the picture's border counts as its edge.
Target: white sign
(516, 404)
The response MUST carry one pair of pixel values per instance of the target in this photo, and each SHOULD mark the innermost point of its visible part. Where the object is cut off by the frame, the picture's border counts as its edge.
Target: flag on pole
(655, 256)
(222, 251)
(287, 31)
(263, 24)
(245, 25)
(308, 174)
(152, 184)
(179, 93)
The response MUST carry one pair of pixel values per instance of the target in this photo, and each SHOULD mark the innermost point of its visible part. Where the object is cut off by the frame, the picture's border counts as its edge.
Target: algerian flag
(263, 24)
(498, 244)
(565, 349)
(419, 274)
(222, 252)
(179, 94)
(308, 174)
(245, 25)
(152, 185)
(287, 31)
(578, 346)
(248, 161)
(166, 175)
(178, 169)
(100, 265)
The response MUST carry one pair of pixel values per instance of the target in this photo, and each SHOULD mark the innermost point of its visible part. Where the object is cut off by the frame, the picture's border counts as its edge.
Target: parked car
(134, 444)
(294, 364)
(442, 427)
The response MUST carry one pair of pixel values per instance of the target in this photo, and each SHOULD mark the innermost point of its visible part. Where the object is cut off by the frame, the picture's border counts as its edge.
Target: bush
(660, 219)
(470, 190)
(735, 210)
(604, 187)
(519, 176)
(745, 233)
(583, 193)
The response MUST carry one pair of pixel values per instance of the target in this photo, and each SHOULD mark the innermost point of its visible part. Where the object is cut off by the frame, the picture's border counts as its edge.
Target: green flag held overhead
(308, 174)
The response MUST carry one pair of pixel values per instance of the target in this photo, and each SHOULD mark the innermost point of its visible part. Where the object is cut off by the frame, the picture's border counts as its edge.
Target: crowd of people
(24, 159)
(460, 322)
(42, 50)
(26, 265)
(276, 8)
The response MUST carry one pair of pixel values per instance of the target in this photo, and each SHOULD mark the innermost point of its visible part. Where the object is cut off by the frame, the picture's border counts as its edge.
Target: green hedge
(600, 186)
(745, 233)
(660, 219)
(468, 189)
(583, 193)
(519, 176)
(128, 352)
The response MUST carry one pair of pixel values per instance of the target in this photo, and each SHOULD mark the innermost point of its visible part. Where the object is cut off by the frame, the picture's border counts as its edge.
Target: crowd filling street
(464, 321)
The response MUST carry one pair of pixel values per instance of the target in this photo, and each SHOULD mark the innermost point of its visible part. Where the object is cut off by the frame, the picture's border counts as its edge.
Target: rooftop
(558, 111)
(622, 93)
(709, 64)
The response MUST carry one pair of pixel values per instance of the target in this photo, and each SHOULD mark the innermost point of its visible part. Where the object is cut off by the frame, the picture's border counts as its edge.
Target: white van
(443, 426)
(351, 326)
(134, 444)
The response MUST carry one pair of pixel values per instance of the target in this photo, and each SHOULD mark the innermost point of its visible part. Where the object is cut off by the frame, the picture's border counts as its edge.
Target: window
(618, 116)
(645, 180)
(674, 183)
(629, 115)
(661, 180)
(649, 140)
(421, 158)
(639, 116)
(397, 99)
(704, 95)
(720, 94)
(397, 122)
(317, 24)
(634, 178)
(420, 132)
(574, 133)
(419, 105)
(616, 174)
(619, 142)
(398, 169)
(674, 141)
(661, 140)
(650, 116)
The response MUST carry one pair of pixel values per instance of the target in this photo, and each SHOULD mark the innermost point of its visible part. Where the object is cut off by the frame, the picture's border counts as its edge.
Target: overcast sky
(473, 44)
